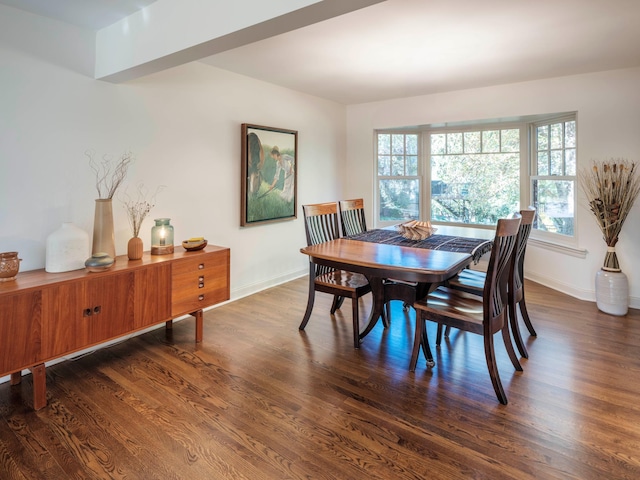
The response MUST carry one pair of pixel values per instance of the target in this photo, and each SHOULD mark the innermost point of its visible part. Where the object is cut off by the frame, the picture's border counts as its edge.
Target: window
(475, 175)
(398, 179)
(553, 176)
(477, 172)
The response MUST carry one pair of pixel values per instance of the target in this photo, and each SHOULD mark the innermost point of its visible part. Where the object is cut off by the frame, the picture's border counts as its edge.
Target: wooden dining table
(414, 270)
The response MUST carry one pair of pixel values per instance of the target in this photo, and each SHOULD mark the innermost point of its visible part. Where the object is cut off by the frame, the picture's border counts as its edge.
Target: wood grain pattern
(258, 399)
(20, 317)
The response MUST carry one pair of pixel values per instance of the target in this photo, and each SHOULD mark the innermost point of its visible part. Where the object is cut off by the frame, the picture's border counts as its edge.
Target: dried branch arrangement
(109, 176)
(138, 207)
(611, 187)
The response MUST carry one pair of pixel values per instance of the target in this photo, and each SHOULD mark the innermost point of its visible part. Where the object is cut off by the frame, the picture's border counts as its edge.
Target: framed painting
(269, 174)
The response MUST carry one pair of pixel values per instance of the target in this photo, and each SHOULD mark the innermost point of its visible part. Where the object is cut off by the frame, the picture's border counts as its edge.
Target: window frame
(541, 235)
(377, 178)
(474, 127)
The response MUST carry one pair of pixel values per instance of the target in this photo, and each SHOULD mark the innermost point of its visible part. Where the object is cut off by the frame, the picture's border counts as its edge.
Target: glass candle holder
(162, 237)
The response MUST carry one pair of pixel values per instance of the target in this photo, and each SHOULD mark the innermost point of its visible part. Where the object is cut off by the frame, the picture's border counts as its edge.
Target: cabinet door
(86, 312)
(65, 327)
(153, 300)
(20, 329)
(111, 299)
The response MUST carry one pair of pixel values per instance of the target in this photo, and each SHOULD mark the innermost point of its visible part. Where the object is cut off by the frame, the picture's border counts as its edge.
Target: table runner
(476, 247)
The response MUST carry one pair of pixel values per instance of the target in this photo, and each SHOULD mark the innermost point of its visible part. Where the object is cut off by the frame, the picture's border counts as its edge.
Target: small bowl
(193, 246)
(9, 266)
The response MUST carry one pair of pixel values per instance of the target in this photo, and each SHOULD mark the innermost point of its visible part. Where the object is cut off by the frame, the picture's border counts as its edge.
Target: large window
(475, 175)
(553, 175)
(479, 172)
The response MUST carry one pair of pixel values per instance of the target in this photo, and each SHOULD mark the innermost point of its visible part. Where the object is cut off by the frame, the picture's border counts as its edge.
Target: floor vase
(612, 292)
(103, 232)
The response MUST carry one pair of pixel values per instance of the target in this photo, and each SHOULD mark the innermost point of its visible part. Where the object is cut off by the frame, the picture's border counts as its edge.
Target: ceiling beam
(163, 36)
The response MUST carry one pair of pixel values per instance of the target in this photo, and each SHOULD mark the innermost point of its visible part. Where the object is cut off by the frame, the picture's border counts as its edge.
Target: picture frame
(269, 174)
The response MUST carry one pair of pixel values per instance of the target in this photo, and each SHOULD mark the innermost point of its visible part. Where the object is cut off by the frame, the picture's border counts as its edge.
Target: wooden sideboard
(44, 316)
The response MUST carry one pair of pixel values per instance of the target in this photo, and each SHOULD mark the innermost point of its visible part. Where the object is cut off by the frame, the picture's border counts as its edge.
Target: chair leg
(417, 340)
(493, 369)
(439, 335)
(525, 317)
(386, 315)
(310, 299)
(515, 329)
(447, 331)
(506, 337)
(356, 322)
(337, 303)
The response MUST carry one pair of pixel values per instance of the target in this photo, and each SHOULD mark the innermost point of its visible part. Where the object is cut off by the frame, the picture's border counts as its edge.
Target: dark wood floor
(260, 400)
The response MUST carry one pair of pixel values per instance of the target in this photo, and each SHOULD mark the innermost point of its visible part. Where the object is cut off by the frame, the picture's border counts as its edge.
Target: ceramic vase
(612, 292)
(135, 248)
(66, 249)
(103, 232)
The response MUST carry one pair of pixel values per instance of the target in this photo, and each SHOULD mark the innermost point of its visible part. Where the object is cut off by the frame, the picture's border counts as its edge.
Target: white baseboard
(581, 294)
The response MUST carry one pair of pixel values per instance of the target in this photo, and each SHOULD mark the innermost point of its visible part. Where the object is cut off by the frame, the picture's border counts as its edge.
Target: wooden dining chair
(321, 225)
(485, 315)
(352, 219)
(472, 281)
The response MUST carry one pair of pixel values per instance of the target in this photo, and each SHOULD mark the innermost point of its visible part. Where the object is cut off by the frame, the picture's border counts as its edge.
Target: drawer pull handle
(201, 278)
(97, 309)
(200, 297)
(87, 312)
(201, 266)
(201, 285)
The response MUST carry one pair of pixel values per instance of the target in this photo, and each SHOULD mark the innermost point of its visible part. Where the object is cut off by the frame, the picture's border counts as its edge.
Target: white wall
(608, 106)
(183, 127)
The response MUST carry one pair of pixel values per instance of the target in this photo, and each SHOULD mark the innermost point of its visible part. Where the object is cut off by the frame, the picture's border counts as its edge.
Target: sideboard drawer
(199, 282)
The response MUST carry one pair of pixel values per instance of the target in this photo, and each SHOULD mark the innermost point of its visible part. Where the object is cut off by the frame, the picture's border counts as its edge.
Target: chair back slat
(526, 224)
(321, 225)
(497, 279)
(352, 217)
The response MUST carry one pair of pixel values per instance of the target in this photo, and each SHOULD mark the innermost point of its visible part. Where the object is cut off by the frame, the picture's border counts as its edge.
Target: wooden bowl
(193, 246)
(9, 266)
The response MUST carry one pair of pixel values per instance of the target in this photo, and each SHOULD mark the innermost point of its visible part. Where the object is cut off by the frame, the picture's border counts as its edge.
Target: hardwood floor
(260, 400)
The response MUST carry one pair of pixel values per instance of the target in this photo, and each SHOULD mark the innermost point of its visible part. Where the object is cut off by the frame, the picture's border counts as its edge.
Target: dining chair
(472, 281)
(352, 217)
(321, 225)
(485, 315)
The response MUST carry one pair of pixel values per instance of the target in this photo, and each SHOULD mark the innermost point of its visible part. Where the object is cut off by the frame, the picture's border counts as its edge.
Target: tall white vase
(612, 292)
(103, 232)
(67, 249)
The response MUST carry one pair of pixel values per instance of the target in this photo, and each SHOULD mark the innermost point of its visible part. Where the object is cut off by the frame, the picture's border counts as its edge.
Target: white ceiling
(93, 14)
(401, 48)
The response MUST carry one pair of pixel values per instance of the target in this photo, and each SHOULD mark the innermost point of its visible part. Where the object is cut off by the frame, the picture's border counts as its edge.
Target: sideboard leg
(39, 386)
(169, 324)
(199, 325)
(16, 378)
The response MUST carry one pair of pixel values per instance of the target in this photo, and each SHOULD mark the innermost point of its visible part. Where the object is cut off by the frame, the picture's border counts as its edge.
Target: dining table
(396, 270)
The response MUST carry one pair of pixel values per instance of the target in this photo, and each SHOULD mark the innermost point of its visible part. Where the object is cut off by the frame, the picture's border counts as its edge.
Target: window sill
(555, 247)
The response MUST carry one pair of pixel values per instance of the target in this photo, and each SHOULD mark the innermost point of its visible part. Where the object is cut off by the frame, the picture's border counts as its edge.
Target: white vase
(612, 292)
(67, 249)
